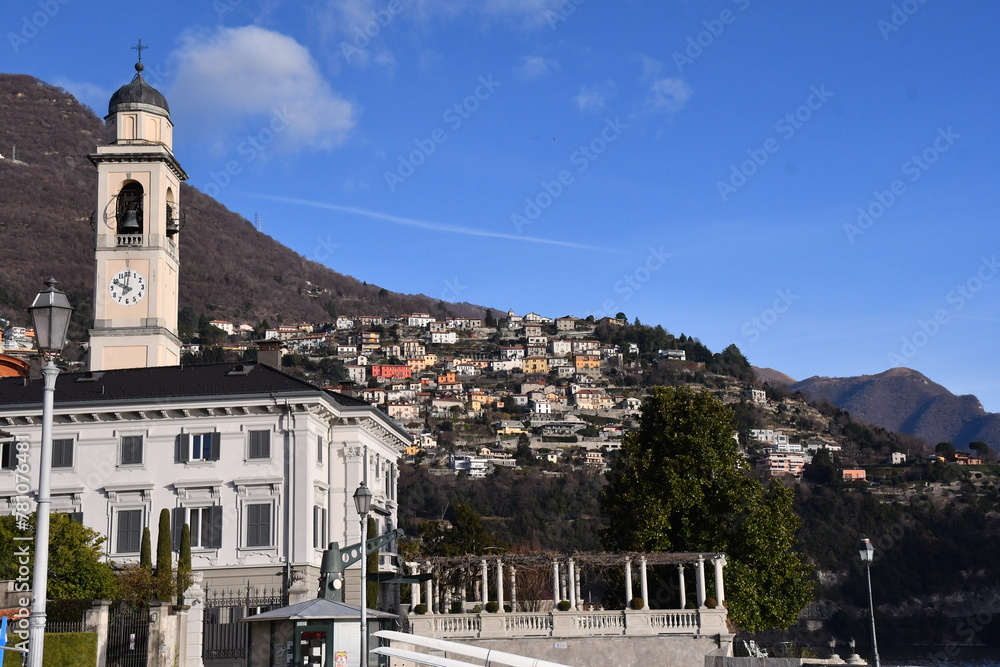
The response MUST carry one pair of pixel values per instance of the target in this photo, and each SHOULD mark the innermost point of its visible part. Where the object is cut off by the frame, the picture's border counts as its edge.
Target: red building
(391, 371)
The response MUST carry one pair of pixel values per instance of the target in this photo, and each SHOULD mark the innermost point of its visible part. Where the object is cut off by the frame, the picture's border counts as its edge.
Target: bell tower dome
(137, 225)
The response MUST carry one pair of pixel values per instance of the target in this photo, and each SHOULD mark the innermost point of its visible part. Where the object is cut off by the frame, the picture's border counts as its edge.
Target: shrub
(711, 603)
(637, 603)
(456, 607)
(420, 609)
(507, 608)
(492, 607)
(563, 605)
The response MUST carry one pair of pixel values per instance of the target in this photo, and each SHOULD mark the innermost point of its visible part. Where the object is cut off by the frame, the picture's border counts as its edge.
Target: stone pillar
(555, 582)
(628, 582)
(414, 587)
(194, 598)
(720, 587)
(161, 644)
(579, 598)
(513, 588)
(563, 591)
(644, 586)
(95, 619)
(701, 582)
(680, 584)
(485, 582)
(571, 581)
(429, 589)
(436, 599)
(500, 585)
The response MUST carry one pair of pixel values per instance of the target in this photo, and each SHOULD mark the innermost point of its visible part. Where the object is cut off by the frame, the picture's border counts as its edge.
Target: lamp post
(50, 313)
(363, 503)
(867, 552)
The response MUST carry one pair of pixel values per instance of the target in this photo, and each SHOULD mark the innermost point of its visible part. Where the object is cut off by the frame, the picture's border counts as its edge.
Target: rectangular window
(7, 455)
(319, 527)
(131, 450)
(62, 453)
(129, 531)
(260, 445)
(204, 524)
(258, 525)
(198, 447)
(319, 449)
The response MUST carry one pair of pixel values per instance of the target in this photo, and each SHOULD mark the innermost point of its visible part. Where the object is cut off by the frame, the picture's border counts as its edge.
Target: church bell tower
(137, 224)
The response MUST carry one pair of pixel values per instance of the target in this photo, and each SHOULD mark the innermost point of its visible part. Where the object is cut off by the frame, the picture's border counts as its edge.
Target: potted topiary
(492, 607)
(711, 603)
(420, 609)
(456, 607)
(563, 605)
(637, 603)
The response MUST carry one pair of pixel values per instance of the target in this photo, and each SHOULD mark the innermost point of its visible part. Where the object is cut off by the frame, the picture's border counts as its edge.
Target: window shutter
(315, 526)
(216, 439)
(177, 519)
(183, 447)
(215, 527)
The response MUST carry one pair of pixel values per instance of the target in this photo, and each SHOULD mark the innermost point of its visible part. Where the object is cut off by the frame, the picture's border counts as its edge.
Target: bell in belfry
(130, 225)
(173, 225)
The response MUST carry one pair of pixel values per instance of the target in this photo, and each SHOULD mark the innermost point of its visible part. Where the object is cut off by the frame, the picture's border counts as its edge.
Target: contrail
(423, 224)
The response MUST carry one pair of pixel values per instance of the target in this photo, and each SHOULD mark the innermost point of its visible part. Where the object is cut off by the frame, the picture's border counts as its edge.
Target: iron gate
(225, 637)
(128, 635)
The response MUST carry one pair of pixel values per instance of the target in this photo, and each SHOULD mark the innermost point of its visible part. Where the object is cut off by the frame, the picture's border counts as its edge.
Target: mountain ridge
(905, 400)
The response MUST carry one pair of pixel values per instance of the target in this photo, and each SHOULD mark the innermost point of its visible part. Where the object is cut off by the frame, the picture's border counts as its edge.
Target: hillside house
(853, 475)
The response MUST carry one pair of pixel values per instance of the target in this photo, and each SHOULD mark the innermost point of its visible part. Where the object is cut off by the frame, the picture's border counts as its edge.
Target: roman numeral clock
(137, 224)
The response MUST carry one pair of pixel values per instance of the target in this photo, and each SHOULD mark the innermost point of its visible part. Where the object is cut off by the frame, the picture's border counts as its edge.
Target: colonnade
(565, 584)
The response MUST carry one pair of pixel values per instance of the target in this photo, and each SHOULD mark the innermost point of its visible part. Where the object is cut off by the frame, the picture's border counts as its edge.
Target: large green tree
(76, 569)
(681, 485)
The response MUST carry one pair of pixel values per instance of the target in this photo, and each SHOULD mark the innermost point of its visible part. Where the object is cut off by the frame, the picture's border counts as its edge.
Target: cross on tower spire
(139, 47)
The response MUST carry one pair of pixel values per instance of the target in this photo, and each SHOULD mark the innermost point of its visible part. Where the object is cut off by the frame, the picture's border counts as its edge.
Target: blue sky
(815, 182)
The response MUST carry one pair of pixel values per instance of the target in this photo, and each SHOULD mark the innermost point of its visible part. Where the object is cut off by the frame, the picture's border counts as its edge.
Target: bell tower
(137, 224)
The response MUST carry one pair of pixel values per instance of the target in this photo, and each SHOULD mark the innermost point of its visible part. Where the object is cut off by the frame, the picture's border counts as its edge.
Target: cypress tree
(146, 550)
(184, 564)
(164, 567)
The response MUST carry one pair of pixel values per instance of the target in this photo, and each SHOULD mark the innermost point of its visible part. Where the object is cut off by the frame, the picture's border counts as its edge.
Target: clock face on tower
(127, 287)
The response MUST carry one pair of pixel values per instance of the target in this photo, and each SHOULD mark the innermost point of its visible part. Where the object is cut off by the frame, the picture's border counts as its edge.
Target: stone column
(628, 581)
(194, 598)
(500, 585)
(701, 582)
(513, 588)
(429, 589)
(161, 644)
(437, 597)
(644, 586)
(95, 620)
(485, 583)
(571, 581)
(680, 584)
(555, 582)
(414, 587)
(720, 588)
(579, 598)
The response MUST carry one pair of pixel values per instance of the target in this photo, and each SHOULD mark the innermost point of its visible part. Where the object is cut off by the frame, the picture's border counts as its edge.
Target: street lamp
(363, 503)
(867, 552)
(50, 313)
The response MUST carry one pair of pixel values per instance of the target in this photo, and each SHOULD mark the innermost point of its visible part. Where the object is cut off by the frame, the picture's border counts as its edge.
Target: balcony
(129, 240)
(571, 624)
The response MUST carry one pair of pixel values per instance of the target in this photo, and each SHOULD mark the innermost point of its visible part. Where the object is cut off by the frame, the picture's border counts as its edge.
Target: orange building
(391, 372)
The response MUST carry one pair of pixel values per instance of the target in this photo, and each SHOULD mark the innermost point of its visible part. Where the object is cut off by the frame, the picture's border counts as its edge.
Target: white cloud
(250, 76)
(594, 98)
(668, 95)
(535, 67)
